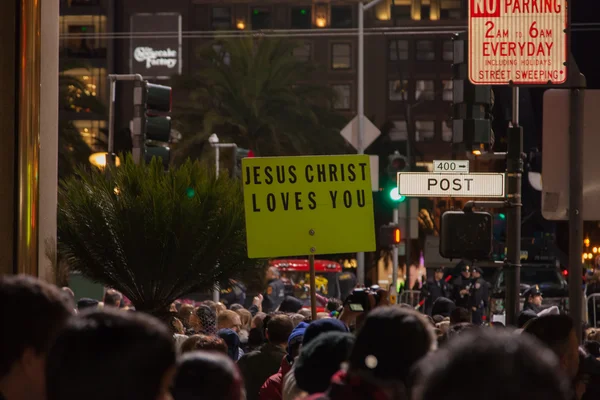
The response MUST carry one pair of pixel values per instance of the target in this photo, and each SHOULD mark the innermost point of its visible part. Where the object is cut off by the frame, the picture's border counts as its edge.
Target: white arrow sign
(419, 184)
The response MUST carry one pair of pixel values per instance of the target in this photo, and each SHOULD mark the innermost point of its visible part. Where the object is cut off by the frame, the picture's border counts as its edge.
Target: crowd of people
(54, 349)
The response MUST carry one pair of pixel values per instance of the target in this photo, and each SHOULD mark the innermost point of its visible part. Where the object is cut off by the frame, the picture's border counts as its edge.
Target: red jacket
(272, 389)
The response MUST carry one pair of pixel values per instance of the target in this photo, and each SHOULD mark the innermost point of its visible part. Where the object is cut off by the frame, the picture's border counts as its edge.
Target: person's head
(459, 315)
(533, 295)
(69, 293)
(491, 364)
(557, 332)
(232, 340)
(334, 304)
(206, 375)
(204, 342)
(279, 329)
(272, 273)
(297, 319)
(236, 307)
(32, 312)
(103, 353)
(390, 342)
(176, 325)
(112, 298)
(465, 271)
(306, 313)
(86, 303)
(245, 317)
(229, 320)
(476, 273)
(321, 359)
(295, 340)
(220, 308)
(443, 306)
(185, 315)
(290, 305)
(213, 306)
(321, 326)
(439, 274)
(205, 320)
(257, 321)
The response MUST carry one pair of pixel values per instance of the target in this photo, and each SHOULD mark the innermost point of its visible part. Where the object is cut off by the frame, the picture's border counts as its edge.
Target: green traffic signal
(396, 196)
(190, 192)
(502, 216)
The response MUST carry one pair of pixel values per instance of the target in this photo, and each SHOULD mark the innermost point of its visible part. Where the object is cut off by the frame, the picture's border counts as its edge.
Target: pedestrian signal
(390, 235)
(466, 235)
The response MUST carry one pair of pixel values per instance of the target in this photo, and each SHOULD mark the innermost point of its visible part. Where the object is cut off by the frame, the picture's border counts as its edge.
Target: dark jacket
(272, 389)
(257, 366)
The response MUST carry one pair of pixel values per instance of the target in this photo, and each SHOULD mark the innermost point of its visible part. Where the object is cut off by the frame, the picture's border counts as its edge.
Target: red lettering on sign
(514, 49)
(485, 8)
(532, 7)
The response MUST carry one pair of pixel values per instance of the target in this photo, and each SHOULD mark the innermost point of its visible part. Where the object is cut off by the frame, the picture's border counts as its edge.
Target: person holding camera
(360, 302)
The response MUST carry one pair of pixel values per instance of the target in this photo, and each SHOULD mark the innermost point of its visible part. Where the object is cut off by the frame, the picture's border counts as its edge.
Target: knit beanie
(321, 359)
(321, 326)
(296, 336)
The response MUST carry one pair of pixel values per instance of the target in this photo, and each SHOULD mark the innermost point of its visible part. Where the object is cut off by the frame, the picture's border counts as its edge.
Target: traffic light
(471, 104)
(466, 235)
(157, 101)
(396, 163)
(239, 155)
(395, 195)
(390, 235)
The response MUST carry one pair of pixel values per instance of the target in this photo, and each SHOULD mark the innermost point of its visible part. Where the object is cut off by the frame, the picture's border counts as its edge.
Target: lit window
(398, 132)
(448, 51)
(425, 90)
(398, 90)
(398, 50)
(303, 52)
(74, 27)
(342, 101)
(341, 56)
(341, 17)
(448, 94)
(260, 18)
(92, 133)
(425, 50)
(301, 18)
(92, 83)
(447, 131)
(221, 18)
(425, 131)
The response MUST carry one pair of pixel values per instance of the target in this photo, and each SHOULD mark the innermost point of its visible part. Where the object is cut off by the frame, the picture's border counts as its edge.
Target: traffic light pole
(113, 78)
(394, 284)
(514, 171)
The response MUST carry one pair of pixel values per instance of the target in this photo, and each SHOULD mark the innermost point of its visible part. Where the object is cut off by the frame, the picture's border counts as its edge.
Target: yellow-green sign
(308, 205)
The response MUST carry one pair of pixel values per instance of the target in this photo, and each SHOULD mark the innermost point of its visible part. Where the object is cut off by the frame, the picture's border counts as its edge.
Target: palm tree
(256, 93)
(154, 235)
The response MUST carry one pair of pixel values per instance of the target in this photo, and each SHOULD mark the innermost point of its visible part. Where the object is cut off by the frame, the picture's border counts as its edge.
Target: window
(341, 17)
(425, 90)
(448, 94)
(92, 132)
(447, 131)
(88, 47)
(398, 132)
(425, 12)
(94, 81)
(303, 52)
(342, 101)
(84, 2)
(260, 18)
(425, 131)
(398, 50)
(341, 56)
(398, 90)
(448, 50)
(221, 18)
(450, 9)
(401, 13)
(301, 18)
(425, 50)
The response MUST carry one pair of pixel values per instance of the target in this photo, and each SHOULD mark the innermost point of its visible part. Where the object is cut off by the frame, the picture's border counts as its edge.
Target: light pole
(214, 142)
(360, 257)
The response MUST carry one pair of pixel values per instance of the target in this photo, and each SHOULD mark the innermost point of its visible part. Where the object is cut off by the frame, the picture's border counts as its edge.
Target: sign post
(308, 205)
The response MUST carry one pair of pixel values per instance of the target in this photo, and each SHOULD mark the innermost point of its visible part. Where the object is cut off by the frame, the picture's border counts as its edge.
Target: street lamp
(99, 160)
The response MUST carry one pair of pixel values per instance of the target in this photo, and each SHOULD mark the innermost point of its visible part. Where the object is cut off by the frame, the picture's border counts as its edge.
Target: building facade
(408, 54)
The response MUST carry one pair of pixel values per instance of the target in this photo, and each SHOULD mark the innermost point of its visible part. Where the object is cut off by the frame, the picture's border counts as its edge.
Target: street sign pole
(514, 171)
(394, 284)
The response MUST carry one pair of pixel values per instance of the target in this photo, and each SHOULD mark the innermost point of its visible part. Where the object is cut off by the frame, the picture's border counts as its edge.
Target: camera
(358, 300)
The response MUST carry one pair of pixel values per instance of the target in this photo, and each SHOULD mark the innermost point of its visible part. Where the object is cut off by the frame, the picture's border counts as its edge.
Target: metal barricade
(595, 300)
(411, 297)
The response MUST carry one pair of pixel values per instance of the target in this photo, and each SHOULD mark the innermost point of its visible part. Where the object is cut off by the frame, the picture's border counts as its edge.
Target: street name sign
(518, 41)
(451, 166)
(308, 205)
(419, 184)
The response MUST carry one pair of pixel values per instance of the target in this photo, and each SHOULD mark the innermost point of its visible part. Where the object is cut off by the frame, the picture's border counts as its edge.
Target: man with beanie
(272, 388)
(390, 342)
(321, 359)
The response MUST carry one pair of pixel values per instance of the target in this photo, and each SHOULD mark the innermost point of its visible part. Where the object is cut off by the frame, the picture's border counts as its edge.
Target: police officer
(461, 287)
(234, 294)
(275, 291)
(533, 299)
(479, 296)
(433, 289)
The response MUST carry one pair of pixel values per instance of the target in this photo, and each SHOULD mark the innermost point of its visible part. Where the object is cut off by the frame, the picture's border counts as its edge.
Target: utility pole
(514, 172)
(360, 257)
